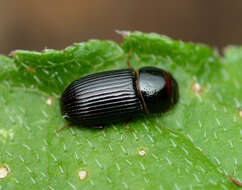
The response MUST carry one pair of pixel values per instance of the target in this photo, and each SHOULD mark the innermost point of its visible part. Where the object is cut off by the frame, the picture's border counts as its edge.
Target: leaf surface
(196, 145)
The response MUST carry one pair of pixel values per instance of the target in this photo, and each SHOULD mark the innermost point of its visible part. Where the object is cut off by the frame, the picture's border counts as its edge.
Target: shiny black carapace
(118, 95)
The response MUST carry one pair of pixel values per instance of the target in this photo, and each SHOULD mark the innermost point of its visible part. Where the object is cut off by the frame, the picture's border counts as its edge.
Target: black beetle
(118, 95)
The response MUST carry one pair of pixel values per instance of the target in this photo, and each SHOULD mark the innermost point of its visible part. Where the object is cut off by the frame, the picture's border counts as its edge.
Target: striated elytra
(118, 95)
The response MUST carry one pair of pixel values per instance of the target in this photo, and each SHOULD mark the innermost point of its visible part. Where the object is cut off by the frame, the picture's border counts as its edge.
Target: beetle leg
(126, 125)
(127, 61)
(65, 126)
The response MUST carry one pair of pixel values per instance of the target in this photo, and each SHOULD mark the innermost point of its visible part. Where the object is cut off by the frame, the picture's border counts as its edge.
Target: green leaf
(196, 145)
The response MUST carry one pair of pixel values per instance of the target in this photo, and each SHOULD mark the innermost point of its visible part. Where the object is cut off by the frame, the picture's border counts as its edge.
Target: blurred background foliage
(32, 25)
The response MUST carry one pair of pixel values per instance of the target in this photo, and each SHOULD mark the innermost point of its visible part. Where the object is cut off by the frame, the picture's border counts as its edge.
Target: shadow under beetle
(113, 96)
